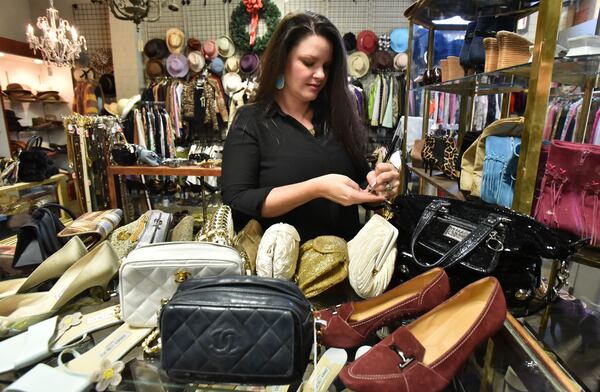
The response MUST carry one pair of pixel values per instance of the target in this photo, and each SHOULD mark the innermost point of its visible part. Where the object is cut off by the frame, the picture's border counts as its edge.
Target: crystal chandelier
(59, 44)
(137, 11)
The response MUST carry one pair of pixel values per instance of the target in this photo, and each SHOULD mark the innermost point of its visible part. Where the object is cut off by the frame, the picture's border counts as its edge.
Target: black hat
(350, 42)
(156, 48)
(107, 84)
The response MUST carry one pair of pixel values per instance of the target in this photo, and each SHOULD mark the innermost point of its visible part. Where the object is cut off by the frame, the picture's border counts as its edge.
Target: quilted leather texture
(148, 274)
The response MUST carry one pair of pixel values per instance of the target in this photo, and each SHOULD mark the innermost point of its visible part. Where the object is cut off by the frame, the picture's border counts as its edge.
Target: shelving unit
(450, 187)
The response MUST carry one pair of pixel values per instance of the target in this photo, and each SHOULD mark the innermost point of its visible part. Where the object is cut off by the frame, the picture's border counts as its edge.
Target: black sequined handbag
(472, 240)
(236, 329)
(122, 152)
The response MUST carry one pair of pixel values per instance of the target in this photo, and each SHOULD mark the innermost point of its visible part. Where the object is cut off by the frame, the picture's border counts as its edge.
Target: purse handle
(61, 207)
(120, 138)
(33, 142)
(484, 230)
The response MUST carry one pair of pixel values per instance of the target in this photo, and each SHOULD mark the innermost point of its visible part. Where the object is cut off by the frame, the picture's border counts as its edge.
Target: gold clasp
(181, 276)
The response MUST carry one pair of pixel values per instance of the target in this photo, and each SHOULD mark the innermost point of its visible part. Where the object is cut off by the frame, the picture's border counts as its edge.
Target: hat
(156, 49)
(196, 61)
(399, 40)
(216, 66)
(13, 121)
(155, 68)
(400, 61)
(384, 42)
(249, 63)
(209, 47)
(177, 65)
(350, 42)
(225, 46)
(81, 74)
(358, 64)
(123, 107)
(232, 83)
(19, 91)
(49, 95)
(232, 64)
(381, 61)
(194, 44)
(101, 61)
(367, 41)
(107, 84)
(175, 40)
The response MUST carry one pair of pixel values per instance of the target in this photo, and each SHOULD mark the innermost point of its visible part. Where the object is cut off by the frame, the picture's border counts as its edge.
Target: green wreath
(240, 20)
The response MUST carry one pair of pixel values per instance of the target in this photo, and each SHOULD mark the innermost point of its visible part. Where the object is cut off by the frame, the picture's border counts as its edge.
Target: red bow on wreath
(253, 7)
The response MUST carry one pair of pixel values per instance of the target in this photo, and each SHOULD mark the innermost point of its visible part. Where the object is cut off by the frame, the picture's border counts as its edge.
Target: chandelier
(59, 43)
(137, 11)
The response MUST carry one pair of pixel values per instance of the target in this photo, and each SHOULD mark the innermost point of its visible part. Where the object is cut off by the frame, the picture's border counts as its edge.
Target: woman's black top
(266, 148)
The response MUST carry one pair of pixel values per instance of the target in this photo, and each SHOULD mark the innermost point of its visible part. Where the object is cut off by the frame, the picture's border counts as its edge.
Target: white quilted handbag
(152, 273)
(278, 252)
(372, 254)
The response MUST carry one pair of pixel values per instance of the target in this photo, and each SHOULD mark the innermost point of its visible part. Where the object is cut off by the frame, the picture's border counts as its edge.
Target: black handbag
(122, 152)
(34, 163)
(38, 239)
(238, 329)
(472, 240)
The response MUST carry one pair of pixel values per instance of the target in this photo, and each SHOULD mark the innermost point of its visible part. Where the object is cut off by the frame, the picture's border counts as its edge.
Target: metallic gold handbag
(219, 228)
(247, 241)
(323, 264)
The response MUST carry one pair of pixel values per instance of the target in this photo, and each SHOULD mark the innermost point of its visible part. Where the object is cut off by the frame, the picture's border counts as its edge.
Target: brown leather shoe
(427, 354)
(348, 325)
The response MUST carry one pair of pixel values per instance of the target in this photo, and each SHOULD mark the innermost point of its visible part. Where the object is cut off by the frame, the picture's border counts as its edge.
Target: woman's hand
(342, 190)
(384, 181)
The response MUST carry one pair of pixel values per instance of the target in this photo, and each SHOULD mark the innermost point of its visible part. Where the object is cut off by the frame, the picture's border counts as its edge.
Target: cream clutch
(278, 252)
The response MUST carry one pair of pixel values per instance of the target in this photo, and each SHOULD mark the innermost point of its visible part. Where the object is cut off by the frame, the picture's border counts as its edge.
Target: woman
(295, 155)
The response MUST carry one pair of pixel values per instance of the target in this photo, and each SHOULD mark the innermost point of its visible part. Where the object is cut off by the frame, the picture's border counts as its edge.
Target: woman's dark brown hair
(335, 100)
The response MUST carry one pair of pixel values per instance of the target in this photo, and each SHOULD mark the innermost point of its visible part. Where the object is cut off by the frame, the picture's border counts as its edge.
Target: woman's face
(307, 68)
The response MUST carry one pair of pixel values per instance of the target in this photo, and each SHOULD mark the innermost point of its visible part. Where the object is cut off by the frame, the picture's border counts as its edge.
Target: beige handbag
(372, 254)
(125, 238)
(247, 241)
(472, 160)
(278, 252)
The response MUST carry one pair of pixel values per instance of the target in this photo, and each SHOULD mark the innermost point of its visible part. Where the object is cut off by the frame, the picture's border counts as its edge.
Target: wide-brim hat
(196, 61)
(156, 48)
(382, 61)
(232, 64)
(367, 41)
(209, 47)
(155, 68)
(194, 44)
(249, 63)
(107, 84)
(225, 46)
(358, 64)
(400, 61)
(217, 66)
(399, 40)
(112, 108)
(175, 40)
(48, 95)
(19, 91)
(349, 41)
(232, 83)
(177, 65)
(123, 107)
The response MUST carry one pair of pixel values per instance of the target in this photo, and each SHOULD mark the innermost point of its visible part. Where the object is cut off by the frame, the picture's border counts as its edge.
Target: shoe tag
(114, 344)
(320, 379)
(277, 388)
(109, 314)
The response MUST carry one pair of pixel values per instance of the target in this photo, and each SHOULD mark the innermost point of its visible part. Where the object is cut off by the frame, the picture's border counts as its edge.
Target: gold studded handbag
(219, 228)
(323, 264)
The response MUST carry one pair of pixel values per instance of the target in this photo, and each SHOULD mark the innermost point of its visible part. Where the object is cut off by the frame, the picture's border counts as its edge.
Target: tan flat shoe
(51, 268)
(96, 268)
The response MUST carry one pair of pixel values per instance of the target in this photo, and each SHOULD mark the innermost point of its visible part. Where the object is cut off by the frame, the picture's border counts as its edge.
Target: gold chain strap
(152, 344)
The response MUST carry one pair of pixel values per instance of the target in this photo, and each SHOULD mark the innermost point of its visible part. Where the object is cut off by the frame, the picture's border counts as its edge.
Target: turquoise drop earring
(280, 82)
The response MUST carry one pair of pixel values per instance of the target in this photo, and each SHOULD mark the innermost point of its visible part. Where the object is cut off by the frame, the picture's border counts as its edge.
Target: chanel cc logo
(224, 341)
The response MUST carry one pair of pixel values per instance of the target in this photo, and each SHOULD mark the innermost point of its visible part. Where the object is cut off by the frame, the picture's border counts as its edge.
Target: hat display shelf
(536, 78)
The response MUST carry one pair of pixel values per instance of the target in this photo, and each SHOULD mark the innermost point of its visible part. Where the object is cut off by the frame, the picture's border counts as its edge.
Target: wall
(14, 19)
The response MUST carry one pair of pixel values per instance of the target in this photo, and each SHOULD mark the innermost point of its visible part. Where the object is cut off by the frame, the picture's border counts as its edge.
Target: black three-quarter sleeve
(241, 167)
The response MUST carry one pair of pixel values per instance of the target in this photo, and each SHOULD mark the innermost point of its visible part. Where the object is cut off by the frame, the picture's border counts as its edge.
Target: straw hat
(512, 49)
(367, 41)
(177, 65)
(455, 71)
(358, 64)
(175, 40)
(400, 61)
(123, 107)
(232, 64)
(491, 54)
(209, 47)
(196, 61)
(155, 68)
(232, 83)
(225, 46)
(49, 95)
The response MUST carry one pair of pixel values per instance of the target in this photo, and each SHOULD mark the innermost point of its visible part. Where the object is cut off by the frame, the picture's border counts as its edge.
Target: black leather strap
(65, 209)
(462, 248)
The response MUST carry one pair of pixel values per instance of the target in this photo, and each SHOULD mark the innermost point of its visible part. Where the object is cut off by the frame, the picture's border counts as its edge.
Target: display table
(61, 188)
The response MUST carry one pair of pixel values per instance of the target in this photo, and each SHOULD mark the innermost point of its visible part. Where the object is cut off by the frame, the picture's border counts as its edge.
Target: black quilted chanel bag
(471, 240)
(239, 329)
